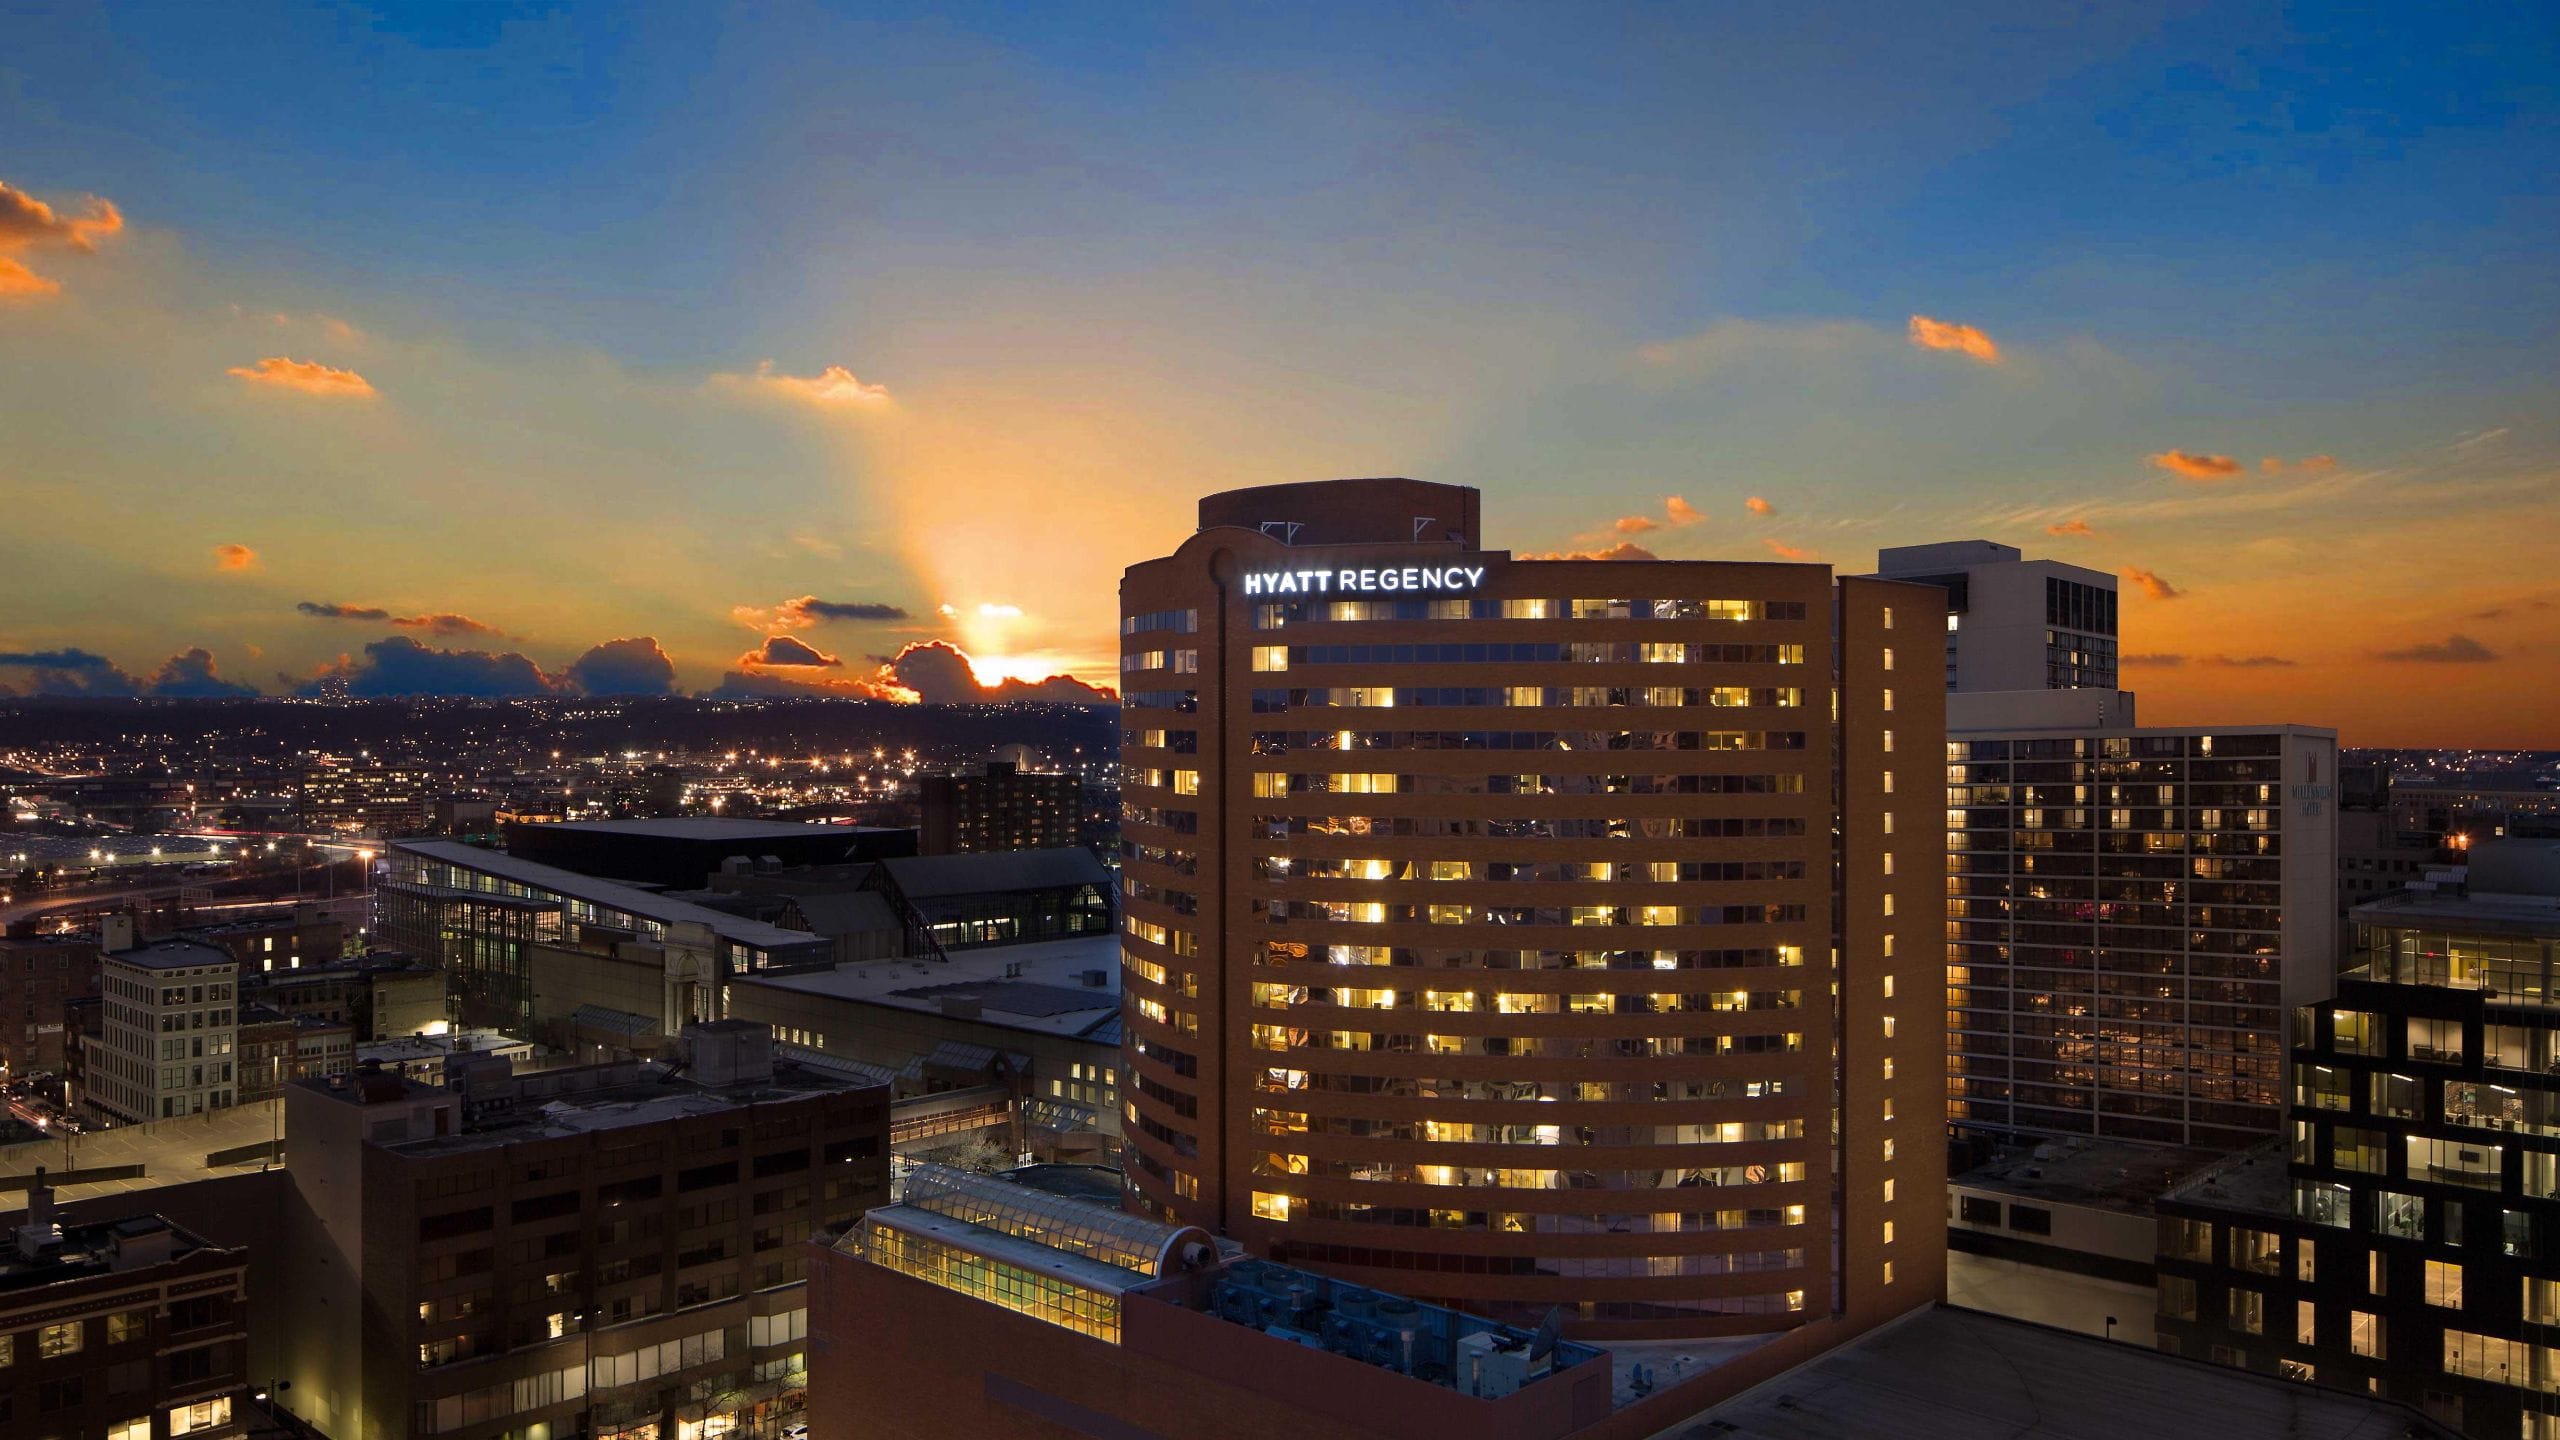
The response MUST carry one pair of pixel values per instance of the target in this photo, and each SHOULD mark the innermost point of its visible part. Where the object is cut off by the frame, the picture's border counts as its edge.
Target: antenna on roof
(1543, 1343)
(1288, 529)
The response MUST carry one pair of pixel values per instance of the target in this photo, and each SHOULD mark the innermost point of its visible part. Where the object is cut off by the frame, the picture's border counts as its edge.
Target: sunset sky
(437, 349)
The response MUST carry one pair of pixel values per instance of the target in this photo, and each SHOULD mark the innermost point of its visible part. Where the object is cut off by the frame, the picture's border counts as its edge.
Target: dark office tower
(1520, 934)
(2409, 1243)
(1003, 807)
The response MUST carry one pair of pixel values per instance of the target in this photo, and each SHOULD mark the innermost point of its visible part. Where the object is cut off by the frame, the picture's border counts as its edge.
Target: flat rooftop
(172, 955)
(2522, 915)
(992, 872)
(2102, 1175)
(711, 828)
(381, 962)
(428, 1047)
(2254, 1180)
(606, 894)
(1948, 1374)
(106, 1248)
(1047, 994)
(552, 1103)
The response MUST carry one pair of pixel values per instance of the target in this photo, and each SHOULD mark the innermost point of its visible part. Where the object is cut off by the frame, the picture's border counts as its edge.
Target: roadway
(109, 897)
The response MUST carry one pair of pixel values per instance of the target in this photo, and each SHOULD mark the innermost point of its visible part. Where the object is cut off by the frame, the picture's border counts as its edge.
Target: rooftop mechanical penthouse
(1517, 934)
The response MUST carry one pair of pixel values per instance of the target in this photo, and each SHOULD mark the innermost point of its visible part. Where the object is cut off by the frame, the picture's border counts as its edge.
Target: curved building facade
(1534, 933)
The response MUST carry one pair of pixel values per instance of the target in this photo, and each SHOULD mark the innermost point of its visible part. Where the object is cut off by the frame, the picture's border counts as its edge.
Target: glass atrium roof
(1112, 1237)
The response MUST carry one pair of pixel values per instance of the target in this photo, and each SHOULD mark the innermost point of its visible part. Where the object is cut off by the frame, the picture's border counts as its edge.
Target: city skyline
(487, 351)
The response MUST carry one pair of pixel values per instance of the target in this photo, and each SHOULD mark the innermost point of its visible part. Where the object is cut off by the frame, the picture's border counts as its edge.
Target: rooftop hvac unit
(1236, 1303)
(1489, 1369)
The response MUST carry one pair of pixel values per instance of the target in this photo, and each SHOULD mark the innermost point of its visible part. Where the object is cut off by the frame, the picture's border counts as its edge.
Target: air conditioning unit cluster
(1372, 1329)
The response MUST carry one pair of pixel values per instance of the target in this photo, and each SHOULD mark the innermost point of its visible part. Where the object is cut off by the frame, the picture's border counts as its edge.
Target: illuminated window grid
(1025, 1291)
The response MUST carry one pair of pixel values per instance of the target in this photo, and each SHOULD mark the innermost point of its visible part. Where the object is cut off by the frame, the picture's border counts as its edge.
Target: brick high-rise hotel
(1524, 933)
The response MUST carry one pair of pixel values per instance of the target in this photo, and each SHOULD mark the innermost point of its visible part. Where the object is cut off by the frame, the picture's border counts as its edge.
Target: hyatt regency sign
(1367, 580)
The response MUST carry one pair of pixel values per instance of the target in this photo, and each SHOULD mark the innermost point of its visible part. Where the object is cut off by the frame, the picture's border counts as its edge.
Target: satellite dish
(1543, 1343)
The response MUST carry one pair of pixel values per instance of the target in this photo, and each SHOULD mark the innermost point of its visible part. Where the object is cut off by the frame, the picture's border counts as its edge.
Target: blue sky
(1103, 259)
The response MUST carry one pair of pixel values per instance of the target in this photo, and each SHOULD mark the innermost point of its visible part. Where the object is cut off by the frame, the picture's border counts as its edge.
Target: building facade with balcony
(2406, 1241)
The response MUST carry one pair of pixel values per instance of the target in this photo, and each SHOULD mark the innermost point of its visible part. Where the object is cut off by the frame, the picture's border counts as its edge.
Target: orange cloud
(784, 651)
(1759, 507)
(932, 672)
(27, 223)
(1624, 550)
(2153, 586)
(833, 386)
(234, 557)
(2071, 527)
(1931, 334)
(308, 376)
(17, 282)
(447, 623)
(2307, 465)
(1677, 512)
(1785, 551)
(2203, 469)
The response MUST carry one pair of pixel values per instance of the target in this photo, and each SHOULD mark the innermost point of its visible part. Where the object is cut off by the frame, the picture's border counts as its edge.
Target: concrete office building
(1042, 1020)
(2132, 912)
(612, 1251)
(1523, 934)
(476, 914)
(131, 1329)
(2375, 857)
(956, 902)
(2409, 1242)
(1002, 807)
(308, 936)
(276, 1049)
(168, 1029)
(2474, 810)
(39, 975)
(2015, 623)
(380, 996)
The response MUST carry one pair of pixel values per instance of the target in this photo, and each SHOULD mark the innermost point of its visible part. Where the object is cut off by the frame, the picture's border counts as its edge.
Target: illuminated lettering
(1437, 579)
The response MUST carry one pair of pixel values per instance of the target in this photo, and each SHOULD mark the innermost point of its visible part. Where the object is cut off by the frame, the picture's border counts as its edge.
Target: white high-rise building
(2132, 910)
(168, 1030)
(2015, 623)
